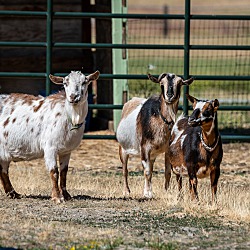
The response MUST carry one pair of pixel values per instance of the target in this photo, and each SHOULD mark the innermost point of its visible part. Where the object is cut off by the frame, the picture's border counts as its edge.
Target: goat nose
(170, 91)
(191, 119)
(74, 98)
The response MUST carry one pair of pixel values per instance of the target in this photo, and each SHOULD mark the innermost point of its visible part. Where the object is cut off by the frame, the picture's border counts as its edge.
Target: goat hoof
(14, 195)
(148, 195)
(126, 193)
(66, 195)
(57, 200)
(57, 197)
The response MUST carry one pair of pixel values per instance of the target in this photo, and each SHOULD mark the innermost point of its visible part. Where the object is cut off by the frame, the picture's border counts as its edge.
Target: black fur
(192, 142)
(150, 108)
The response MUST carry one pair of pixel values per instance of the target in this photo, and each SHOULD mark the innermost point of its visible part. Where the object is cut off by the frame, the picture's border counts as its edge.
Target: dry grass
(99, 217)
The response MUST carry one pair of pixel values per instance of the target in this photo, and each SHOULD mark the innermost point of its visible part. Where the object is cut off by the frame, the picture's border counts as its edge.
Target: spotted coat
(34, 126)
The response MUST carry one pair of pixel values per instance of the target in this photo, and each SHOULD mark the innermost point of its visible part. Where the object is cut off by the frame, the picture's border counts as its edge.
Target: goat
(145, 128)
(196, 147)
(33, 127)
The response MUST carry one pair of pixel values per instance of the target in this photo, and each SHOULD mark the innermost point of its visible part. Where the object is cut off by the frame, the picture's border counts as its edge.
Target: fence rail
(127, 76)
(186, 47)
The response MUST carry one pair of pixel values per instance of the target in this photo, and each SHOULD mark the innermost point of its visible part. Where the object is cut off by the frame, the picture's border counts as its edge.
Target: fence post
(119, 58)
(186, 54)
(48, 45)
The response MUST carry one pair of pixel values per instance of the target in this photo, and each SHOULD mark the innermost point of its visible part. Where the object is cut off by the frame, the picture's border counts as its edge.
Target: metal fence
(207, 62)
(184, 45)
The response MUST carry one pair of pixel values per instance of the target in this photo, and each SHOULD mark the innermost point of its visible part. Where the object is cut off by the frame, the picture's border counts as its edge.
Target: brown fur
(188, 155)
(6, 122)
(130, 106)
(39, 106)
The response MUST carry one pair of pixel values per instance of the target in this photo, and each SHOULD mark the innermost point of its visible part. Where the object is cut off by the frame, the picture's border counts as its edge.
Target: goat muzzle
(74, 99)
(194, 122)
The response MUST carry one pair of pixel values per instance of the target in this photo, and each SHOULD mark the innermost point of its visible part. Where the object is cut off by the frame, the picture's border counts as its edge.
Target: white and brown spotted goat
(145, 128)
(196, 147)
(33, 127)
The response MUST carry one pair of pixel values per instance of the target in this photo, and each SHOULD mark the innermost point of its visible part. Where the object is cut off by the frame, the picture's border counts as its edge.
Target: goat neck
(210, 134)
(76, 113)
(168, 111)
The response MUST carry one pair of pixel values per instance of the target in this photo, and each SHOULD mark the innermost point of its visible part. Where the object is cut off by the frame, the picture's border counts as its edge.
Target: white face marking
(75, 88)
(171, 74)
(199, 105)
(165, 83)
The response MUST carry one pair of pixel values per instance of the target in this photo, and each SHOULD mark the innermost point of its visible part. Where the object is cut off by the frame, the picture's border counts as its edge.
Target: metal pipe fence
(186, 47)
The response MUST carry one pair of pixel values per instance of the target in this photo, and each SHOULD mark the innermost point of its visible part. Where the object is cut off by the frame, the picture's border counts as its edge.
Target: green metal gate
(186, 47)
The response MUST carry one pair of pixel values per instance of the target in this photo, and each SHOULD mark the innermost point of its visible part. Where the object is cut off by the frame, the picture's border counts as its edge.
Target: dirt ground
(99, 217)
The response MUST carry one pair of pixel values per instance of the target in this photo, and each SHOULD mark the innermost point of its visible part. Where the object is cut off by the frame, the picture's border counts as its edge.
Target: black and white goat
(196, 147)
(33, 127)
(145, 128)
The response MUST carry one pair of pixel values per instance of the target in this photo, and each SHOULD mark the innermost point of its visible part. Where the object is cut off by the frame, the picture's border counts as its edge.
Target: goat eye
(66, 82)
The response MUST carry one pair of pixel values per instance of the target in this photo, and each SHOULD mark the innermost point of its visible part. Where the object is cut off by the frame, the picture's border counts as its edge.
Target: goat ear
(93, 76)
(191, 98)
(188, 81)
(216, 104)
(152, 78)
(56, 79)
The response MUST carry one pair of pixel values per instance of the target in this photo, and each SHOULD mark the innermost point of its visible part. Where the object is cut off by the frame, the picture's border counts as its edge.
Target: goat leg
(148, 170)
(167, 170)
(56, 195)
(214, 177)
(193, 188)
(8, 188)
(64, 161)
(124, 160)
(63, 177)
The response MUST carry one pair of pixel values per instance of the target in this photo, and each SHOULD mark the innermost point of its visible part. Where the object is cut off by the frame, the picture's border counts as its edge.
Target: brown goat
(145, 128)
(196, 147)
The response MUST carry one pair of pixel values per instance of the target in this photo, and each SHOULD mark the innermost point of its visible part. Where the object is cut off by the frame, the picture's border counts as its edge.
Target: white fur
(126, 132)
(199, 105)
(176, 131)
(131, 138)
(46, 132)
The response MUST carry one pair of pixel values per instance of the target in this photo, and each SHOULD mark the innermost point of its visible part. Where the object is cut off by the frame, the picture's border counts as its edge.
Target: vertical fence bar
(49, 45)
(186, 54)
(119, 58)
